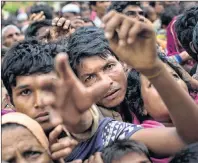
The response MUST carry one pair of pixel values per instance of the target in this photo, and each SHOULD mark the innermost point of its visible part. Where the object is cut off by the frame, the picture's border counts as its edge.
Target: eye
(109, 66)
(12, 160)
(25, 92)
(89, 78)
(32, 154)
(176, 76)
(150, 85)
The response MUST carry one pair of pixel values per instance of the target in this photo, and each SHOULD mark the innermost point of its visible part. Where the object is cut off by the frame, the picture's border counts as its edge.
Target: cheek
(23, 104)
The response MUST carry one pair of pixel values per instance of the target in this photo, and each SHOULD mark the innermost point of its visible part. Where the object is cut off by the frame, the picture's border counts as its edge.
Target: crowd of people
(100, 82)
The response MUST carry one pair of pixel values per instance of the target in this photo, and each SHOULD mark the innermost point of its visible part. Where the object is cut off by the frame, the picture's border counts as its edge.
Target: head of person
(11, 34)
(194, 43)
(85, 10)
(129, 8)
(37, 29)
(92, 60)
(184, 27)
(23, 65)
(150, 13)
(153, 104)
(169, 13)
(70, 11)
(187, 155)
(125, 151)
(23, 140)
(47, 10)
(158, 6)
(100, 7)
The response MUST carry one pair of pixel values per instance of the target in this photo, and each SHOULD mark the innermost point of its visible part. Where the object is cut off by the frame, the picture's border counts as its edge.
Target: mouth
(111, 95)
(42, 117)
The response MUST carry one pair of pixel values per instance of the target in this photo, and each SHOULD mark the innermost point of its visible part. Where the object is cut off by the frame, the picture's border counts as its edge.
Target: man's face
(93, 69)
(28, 98)
(134, 12)
(12, 36)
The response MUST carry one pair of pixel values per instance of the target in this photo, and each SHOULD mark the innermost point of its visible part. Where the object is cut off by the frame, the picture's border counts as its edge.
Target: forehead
(132, 8)
(18, 138)
(11, 30)
(94, 62)
(30, 79)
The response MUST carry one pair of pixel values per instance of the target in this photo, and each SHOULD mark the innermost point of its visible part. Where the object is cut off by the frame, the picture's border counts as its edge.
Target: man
(129, 8)
(11, 35)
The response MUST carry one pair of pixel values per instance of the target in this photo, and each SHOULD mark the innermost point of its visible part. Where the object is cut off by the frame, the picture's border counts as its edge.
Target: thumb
(98, 90)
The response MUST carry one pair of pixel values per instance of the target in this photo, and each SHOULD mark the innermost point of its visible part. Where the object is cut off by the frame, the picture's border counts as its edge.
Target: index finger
(53, 136)
(55, 20)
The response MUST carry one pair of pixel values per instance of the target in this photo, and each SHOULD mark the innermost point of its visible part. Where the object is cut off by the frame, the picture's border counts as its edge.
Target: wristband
(178, 58)
(156, 74)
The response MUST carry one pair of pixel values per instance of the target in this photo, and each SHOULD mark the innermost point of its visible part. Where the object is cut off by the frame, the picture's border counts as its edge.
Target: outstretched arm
(134, 42)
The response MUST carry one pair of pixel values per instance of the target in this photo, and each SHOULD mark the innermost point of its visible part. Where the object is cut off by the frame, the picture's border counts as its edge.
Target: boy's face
(28, 98)
(133, 158)
(93, 69)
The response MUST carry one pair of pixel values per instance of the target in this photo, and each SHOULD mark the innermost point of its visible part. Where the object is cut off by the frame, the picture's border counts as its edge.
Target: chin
(116, 102)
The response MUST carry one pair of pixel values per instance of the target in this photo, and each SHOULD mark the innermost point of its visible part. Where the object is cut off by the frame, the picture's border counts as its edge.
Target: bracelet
(178, 58)
(156, 74)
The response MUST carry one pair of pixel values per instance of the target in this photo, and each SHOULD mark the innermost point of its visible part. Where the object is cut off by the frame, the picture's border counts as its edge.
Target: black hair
(169, 13)
(120, 148)
(25, 58)
(187, 155)
(119, 6)
(184, 26)
(92, 3)
(87, 42)
(33, 28)
(48, 11)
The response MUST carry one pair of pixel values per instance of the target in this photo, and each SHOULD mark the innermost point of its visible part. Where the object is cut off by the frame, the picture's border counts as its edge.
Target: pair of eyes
(93, 76)
(11, 35)
(28, 155)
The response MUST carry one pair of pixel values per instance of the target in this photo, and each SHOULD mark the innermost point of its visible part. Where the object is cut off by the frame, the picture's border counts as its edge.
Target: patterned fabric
(109, 130)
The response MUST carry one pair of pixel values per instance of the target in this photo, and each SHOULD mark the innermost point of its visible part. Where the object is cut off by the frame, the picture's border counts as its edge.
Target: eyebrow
(91, 73)
(22, 86)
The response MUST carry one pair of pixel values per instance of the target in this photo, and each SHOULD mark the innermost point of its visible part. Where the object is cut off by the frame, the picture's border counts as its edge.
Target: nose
(39, 97)
(106, 77)
(15, 37)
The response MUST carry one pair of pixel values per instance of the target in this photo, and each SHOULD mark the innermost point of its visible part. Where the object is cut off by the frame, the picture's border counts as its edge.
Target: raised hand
(133, 41)
(64, 27)
(37, 16)
(69, 96)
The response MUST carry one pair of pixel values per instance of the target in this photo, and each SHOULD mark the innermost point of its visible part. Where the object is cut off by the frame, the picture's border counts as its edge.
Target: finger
(53, 136)
(75, 161)
(67, 24)
(54, 21)
(63, 68)
(86, 161)
(43, 17)
(98, 157)
(61, 22)
(77, 23)
(32, 16)
(66, 143)
(133, 33)
(111, 26)
(91, 159)
(61, 154)
(123, 32)
(98, 90)
(45, 34)
(108, 16)
(38, 16)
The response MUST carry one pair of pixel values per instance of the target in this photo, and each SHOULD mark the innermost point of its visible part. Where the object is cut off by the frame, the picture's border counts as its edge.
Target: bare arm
(135, 43)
